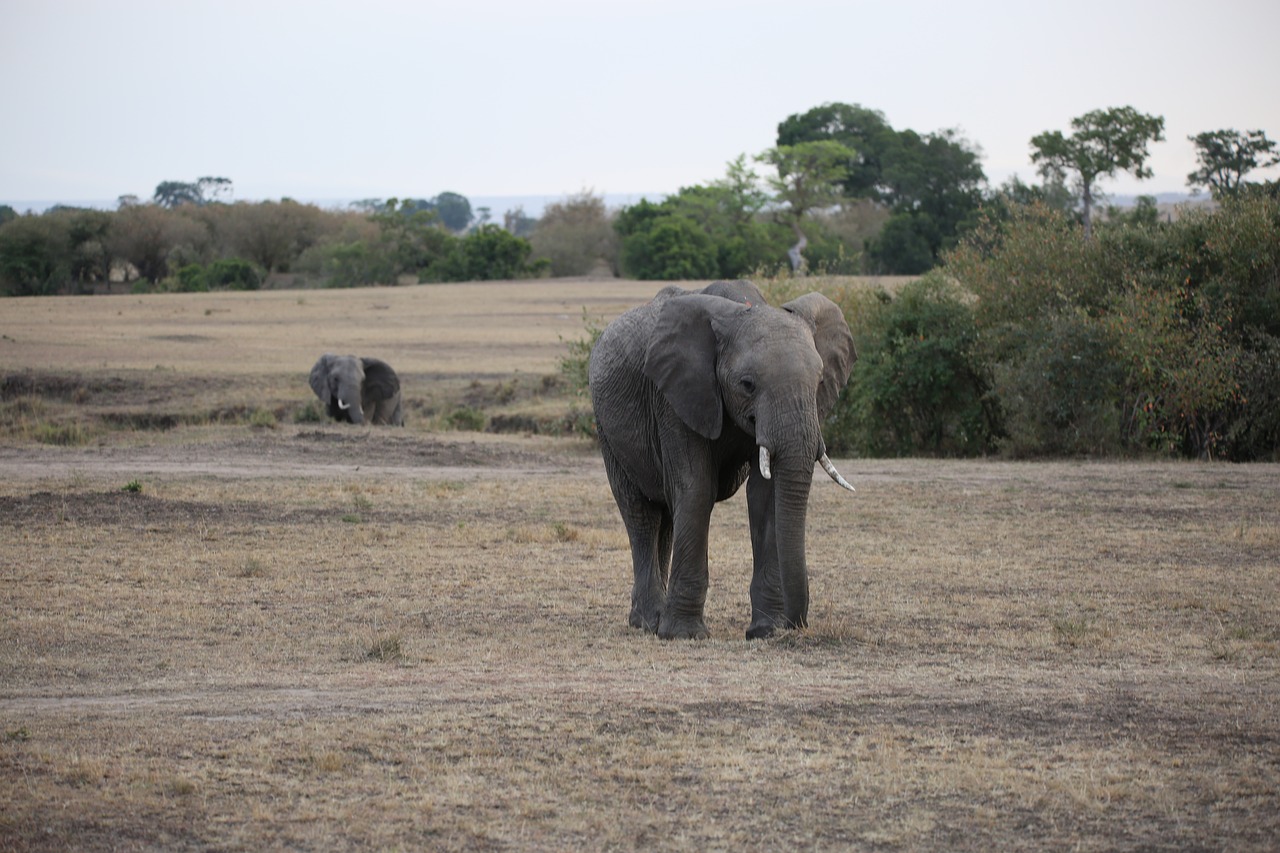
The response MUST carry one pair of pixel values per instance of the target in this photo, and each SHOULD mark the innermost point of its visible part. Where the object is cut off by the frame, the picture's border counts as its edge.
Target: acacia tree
(208, 189)
(1226, 156)
(808, 178)
(1103, 142)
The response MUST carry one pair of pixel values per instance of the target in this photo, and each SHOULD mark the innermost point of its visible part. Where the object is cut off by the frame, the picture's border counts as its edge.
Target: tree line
(843, 192)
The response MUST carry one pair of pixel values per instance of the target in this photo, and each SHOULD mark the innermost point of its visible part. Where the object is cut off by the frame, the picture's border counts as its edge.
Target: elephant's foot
(646, 609)
(644, 619)
(674, 628)
(761, 629)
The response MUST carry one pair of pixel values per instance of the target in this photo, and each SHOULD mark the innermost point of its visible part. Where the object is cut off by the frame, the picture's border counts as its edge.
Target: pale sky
(376, 98)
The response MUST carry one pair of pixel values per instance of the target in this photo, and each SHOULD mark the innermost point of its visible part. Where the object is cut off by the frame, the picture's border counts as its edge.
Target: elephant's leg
(649, 529)
(649, 532)
(766, 576)
(687, 589)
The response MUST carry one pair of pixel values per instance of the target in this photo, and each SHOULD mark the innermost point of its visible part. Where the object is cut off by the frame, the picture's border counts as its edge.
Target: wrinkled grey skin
(686, 390)
(357, 390)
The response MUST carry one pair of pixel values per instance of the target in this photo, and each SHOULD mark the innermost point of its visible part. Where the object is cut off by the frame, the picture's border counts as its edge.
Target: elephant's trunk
(792, 480)
(789, 438)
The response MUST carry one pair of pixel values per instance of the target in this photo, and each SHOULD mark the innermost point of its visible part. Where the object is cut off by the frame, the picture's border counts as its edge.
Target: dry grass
(1002, 655)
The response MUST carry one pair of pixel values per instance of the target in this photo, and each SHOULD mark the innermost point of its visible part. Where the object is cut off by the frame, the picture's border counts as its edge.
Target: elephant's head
(764, 376)
(348, 386)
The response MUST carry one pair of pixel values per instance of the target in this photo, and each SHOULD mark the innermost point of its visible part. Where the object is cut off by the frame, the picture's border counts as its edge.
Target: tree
(934, 184)
(865, 132)
(490, 253)
(34, 253)
(808, 178)
(726, 211)
(454, 210)
(576, 235)
(173, 194)
(1226, 156)
(143, 235)
(273, 234)
(1103, 143)
(931, 183)
(667, 247)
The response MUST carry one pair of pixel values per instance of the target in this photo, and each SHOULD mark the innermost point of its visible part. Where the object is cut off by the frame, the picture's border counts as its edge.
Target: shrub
(1058, 392)
(917, 387)
(1151, 337)
(233, 274)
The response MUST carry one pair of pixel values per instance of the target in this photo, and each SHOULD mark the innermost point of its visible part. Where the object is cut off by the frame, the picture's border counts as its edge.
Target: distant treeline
(845, 193)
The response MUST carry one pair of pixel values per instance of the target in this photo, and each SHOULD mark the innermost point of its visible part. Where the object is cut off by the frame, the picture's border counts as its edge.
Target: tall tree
(808, 178)
(1103, 142)
(865, 132)
(1226, 156)
(454, 210)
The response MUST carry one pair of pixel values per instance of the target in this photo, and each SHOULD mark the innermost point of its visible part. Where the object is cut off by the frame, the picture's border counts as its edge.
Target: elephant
(695, 393)
(357, 389)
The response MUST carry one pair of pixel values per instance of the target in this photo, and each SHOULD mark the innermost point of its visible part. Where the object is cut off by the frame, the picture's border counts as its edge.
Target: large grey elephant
(357, 390)
(695, 393)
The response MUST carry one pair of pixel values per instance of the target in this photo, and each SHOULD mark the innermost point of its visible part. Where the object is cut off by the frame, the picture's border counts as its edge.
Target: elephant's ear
(380, 381)
(681, 361)
(319, 375)
(833, 341)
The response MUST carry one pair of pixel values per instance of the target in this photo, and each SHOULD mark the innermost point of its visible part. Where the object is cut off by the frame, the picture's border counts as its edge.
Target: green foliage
(668, 247)
(454, 211)
(1226, 156)
(904, 245)
(1154, 337)
(917, 387)
(1102, 143)
(205, 190)
(702, 232)
(134, 486)
(932, 183)
(233, 274)
(466, 418)
(355, 264)
(573, 365)
(34, 255)
(488, 253)
(261, 418)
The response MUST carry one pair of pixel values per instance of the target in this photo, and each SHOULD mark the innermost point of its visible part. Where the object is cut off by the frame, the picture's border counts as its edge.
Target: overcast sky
(341, 100)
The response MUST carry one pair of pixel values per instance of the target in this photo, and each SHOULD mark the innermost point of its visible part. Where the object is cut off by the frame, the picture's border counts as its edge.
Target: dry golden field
(297, 635)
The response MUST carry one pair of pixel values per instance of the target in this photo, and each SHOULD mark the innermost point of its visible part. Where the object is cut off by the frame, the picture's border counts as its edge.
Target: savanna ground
(223, 626)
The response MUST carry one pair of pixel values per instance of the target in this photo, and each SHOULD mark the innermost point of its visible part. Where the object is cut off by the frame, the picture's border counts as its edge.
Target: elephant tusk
(342, 405)
(764, 463)
(833, 473)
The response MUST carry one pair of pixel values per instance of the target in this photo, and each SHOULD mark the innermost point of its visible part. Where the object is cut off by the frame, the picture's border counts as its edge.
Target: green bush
(1151, 337)
(917, 387)
(232, 274)
(1059, 391)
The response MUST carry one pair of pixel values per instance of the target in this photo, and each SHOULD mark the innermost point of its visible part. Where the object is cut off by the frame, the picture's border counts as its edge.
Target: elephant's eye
(748, 385)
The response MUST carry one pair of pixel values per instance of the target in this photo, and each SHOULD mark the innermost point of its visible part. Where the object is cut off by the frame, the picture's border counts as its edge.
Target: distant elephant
(695, 393)
(357, 389)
